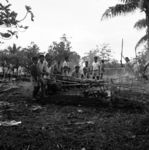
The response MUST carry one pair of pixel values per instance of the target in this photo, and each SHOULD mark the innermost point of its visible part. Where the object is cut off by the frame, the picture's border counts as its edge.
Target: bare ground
(59, 126)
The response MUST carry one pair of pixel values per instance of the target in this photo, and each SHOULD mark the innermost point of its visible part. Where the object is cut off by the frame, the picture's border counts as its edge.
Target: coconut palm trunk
(147, 21)
(146, 4)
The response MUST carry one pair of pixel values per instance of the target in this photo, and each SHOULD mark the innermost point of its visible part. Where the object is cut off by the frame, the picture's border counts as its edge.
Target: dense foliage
(58, 51)
(18, 56)
(9, 19)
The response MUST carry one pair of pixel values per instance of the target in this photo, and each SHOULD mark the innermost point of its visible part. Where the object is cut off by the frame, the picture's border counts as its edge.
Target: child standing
(86, 70)
(66, 67)
(102, 69)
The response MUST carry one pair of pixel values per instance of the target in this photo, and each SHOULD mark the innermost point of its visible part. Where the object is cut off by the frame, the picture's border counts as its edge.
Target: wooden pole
(122, 52)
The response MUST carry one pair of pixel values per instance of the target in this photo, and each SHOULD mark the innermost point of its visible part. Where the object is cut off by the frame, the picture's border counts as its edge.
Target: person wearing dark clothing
(102, 69)
(76, 73)
(35, 73)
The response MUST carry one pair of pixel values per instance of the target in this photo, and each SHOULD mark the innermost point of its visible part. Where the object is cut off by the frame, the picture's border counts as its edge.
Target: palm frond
(129, 1)
(120, 9)
(141, 41)
(140, 24)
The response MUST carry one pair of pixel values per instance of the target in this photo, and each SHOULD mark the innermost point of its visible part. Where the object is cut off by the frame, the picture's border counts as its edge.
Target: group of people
(95, 71)
(42, 69)
(7, 71)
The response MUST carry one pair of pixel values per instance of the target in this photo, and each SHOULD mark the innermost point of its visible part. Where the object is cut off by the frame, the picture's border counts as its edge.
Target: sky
(81, 21)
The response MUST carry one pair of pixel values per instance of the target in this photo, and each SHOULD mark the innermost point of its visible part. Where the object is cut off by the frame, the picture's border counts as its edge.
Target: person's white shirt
(42, 66)
(5, 69)
(65, 64)
(1, 69)
(19, 70)
(15, 71)
(95, 65)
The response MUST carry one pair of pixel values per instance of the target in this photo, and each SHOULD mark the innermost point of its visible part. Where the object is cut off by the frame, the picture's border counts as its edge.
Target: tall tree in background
(13, 49)
(103, 52)
(13, 55)
(89, 56)
(27, 54)
(60, 50)
(9, 20)
(18, 56)
(129, 6)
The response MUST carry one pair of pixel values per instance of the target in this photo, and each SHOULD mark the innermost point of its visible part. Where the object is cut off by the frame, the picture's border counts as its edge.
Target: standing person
(19, 72)
(57, 70)
(42, 64)
(10, 71)
(66, 67)
(102, 69)
(1, 71)
(86, 70)
(76, 73)
(127, 65)
(5, 69)
(96, 68)
(48, 74)
(35, 73)
(136, 69)
(15, 72)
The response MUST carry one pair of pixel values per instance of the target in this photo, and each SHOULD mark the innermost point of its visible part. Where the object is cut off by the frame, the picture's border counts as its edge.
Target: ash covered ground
(62, 126)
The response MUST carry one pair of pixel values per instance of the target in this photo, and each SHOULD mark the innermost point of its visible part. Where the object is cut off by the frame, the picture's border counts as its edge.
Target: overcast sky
(81, 21)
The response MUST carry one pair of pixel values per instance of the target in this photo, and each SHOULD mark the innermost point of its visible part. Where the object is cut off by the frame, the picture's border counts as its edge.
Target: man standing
(42, 65)
(102, 69)
(95, 68)
(35, 73)
(66, 67)
(86, 70)
(76, 73)
(10, 71)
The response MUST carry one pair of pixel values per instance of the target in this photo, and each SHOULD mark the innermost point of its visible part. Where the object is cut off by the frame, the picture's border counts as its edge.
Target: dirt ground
(58, 126)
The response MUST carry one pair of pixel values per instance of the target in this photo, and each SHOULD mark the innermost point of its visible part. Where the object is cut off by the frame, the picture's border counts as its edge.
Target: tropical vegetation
(129, 6)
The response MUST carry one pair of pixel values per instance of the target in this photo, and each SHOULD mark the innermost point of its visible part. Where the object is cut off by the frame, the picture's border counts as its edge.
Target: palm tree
(141, 24)
(14, 49)
(129, 6)
(14, 56)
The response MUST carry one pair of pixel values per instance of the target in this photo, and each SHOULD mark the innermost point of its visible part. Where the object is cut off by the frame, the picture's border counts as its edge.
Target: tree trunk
(146, 5)
(147, 20)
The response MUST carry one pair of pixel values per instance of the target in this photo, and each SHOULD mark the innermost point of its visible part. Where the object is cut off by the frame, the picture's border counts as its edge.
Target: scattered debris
(81, 123)
(8, 89)
(34, 108)
(90, 122)
(108, 93)
(10, 123)
(5, 104)
(80, 111)
(133, 136)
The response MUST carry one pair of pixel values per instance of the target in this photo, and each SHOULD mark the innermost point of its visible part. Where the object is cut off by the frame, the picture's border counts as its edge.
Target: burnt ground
(55, 124)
